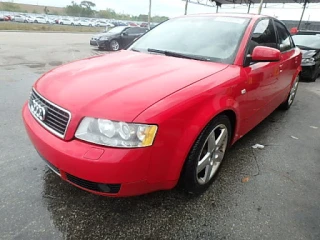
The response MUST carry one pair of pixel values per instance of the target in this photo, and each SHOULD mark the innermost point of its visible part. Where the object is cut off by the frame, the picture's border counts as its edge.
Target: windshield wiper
(178, 55)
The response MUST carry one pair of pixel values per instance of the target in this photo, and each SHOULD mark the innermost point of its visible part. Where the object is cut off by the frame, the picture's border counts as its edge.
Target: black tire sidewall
(188, 178)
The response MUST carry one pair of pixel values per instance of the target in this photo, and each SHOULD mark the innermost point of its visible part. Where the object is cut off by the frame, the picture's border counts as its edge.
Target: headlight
(116, 134)
(307, 60)
(103, 38)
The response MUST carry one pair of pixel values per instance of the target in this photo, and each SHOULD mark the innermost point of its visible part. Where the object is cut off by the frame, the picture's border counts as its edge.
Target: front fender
(181, 122)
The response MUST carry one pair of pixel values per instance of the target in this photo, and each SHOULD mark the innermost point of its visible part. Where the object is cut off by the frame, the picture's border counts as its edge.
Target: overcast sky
(172, 8)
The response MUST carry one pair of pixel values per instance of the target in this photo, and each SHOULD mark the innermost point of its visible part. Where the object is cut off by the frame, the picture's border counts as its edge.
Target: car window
(263, 35)
(131, 31)
(141, 30)
(285, 42)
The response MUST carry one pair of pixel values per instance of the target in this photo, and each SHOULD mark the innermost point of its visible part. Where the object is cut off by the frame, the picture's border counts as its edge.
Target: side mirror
(124, 34)
(265, 54)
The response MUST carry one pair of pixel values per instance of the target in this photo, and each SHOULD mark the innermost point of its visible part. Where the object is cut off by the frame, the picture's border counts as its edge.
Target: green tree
(88, 4)
(46, 10)
(80, 10)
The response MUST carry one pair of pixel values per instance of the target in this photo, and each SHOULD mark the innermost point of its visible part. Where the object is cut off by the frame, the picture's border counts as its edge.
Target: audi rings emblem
(37, 110)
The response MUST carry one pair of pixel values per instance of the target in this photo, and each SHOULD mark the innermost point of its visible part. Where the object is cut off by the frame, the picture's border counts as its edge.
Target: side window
(130, 31)
(142, 30)
(285, 42)
(263, 35)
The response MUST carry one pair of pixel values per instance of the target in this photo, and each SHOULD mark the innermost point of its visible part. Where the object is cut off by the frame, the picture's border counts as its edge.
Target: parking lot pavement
(260, 194)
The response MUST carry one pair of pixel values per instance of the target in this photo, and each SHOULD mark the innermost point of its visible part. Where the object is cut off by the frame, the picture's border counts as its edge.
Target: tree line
(85, 9)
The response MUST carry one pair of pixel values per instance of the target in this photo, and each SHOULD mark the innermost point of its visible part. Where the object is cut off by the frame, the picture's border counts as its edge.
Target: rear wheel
(205, 158)
(35, 21)
(72, 24)
(292, 94)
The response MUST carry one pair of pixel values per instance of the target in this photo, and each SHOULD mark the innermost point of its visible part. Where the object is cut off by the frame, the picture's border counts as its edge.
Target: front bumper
(103, 44)
(99, 170)
(93, 42)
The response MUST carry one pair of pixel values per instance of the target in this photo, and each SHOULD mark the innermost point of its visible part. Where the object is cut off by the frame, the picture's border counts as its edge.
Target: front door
(129, 35)
(289, 60)
(261, 78)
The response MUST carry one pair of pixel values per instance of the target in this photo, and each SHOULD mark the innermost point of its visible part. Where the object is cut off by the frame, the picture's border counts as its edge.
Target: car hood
(308, 53)
(119, 86)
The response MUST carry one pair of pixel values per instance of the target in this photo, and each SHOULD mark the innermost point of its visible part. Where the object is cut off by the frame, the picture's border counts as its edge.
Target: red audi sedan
(167, 108)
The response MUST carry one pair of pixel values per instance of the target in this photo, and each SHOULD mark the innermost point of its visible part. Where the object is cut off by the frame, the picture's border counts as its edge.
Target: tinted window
(215, 38)
(131, 31)
(284, 37)
(263, 35)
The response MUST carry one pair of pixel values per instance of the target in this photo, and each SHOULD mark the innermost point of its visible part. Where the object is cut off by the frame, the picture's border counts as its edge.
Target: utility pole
(149, 16)
(260, 7)
(186, 7)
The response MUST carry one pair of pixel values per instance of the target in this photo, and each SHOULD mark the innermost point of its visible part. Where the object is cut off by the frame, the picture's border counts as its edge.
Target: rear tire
(292, 94)
(204, 160)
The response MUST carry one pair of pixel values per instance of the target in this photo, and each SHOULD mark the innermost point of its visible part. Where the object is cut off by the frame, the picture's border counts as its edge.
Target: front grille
(93, 186)
(56, 119)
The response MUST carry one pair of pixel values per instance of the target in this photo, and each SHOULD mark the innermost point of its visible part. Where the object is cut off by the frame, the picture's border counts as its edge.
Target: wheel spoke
(207, 175)
(211, 142)
(203, 162)
(220, 140)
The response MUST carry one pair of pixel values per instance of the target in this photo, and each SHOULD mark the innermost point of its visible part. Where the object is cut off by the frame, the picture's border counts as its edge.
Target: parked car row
(117, 38)
(89, 22)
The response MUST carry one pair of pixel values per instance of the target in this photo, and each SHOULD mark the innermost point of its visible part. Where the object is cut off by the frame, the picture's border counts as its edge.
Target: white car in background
(66, 21)
(102, 23)
(23, 18)
(40, 20)
(84, 22)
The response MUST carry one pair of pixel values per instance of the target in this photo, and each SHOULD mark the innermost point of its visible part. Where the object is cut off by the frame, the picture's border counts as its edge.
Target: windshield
(214, 38)
(117, 30)
(310, 41)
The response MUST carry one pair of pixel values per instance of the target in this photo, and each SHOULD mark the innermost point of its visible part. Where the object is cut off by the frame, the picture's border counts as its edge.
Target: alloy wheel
(212, 154)
(114, 45)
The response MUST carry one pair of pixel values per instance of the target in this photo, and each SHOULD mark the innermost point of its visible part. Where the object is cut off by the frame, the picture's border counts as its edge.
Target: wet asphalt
(272, 193)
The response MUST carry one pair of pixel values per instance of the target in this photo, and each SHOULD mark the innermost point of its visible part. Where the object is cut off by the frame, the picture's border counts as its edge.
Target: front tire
(114, 45)
(204, 160)
(292, 94)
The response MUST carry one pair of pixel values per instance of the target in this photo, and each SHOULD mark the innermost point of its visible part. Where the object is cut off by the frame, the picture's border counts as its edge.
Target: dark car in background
(309, 43)
(118, 37)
